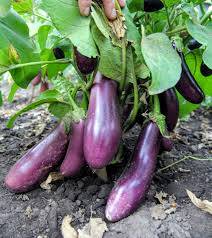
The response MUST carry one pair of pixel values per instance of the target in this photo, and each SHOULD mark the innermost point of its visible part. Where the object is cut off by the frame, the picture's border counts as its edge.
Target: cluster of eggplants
(38, 81)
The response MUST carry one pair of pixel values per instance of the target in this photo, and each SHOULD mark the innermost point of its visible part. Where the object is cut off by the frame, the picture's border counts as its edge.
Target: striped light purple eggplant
(132, 186)
(103, 125)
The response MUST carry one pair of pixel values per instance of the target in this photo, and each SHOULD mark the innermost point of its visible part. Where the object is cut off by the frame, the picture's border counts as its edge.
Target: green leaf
(203, 34)
(59, 109)
(43, 33)
(1, 99)
(100, 20)
(170, 3)
(23, 6)
(13, 91)
(110, 56)
(14, 32)
(132, 32)
(135, 5)
(163, 62)
(4, 7)
(66, 17)
(49, 96)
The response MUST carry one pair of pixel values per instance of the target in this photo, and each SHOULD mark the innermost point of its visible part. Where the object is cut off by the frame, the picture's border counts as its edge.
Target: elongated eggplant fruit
(205, 71)
(58, 53)
(36, 164)
(85, 64)
(103, 125)
(131, 187)
(44, 86)
(36, 80)
(193, 44)
(169, 106)
(152, 5)
(166, 144)
(187, 85)
(74, 159)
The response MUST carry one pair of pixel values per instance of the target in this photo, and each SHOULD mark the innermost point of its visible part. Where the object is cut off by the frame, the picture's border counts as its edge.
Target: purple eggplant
(166, 144)
(205, 71)
(58, 53)
(131, 187)
(36, 80)
(169, 106)
(152, 5)
(36, 164)
(85, 64)
(193, 44)
(102, 133)
(187, 85)
(74, 159)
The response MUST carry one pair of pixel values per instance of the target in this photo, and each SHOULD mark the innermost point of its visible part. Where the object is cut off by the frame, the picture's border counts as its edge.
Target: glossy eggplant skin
(85, 64)
(187, 85)
(166, 144)
(36, 164)
(74, 159)
(36, 80)
(169, 106)
(102, 132)
(131, 187)
(58, 53)
(193, 44)
(152, 5)
(205, 71)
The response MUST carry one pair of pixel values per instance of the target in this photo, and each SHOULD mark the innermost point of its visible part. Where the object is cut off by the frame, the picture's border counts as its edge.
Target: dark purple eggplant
(132, 186)
(205, 71)
(169, 106)
(166, 144)
(152, 5)
(85, 64)
(193, 44)
(102, 133)
(58, 53)
(74, 159)
(187, 85)
(36, 164)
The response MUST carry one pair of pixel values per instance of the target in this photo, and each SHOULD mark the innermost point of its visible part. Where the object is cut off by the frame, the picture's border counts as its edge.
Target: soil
(39, 213)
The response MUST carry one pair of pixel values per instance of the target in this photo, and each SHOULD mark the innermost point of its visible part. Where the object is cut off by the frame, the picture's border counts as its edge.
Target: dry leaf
(28, 212)
(158, 212)
(67, 230)
(204, 205)
(160, 196)
(118, 26)
(94, 229)
(102, 174)
(54, 176)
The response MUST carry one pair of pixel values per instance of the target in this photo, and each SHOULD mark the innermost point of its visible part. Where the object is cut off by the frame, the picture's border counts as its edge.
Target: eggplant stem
(156, 104)
(124, 63)
(181, 160)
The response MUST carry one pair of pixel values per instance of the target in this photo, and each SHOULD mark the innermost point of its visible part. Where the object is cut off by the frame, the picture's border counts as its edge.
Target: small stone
(78, 202)
(80, 184)
(92, 189)
(104, 191)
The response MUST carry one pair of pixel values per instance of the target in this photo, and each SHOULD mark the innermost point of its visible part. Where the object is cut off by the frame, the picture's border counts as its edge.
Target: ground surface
(39, 213)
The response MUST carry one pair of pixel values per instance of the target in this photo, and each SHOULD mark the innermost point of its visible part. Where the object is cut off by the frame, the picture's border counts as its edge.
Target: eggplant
(102, 132)
(187, 85)
(205, 71)
(85, 64)
(36, 80)
(152, 5)
(193, 44)
(38, 162)
(131, 187)
(169, 106)
(44, 86)
(166, 144)
(74, 159)
(58, 53)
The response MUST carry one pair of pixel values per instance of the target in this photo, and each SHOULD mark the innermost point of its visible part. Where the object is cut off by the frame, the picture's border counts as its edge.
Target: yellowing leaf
(54, 176)
(67, 230)
(204, 205)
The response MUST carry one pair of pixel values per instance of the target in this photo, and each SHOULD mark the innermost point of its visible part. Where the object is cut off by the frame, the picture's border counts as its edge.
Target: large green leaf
(66, 17)
(4, 7)
(163, 62)
(23, 6)
(14, 35)
(203, 34)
